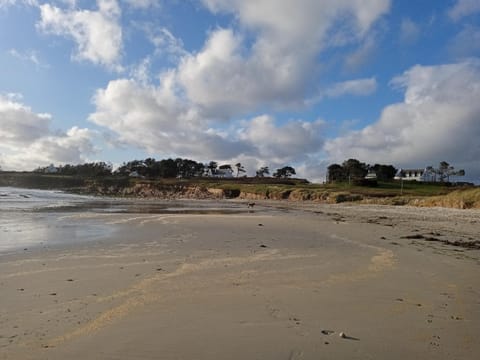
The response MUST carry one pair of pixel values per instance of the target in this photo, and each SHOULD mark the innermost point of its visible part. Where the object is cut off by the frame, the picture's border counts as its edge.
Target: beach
(281, 280)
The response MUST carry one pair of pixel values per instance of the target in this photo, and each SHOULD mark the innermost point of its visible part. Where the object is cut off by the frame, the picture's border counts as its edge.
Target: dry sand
(261, 285)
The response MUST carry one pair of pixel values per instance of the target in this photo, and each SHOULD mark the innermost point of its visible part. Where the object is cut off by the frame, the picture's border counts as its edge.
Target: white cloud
(356, 87)
(409, 31)
(466, 43)
(359, 87)
(165, 42)
(97, 34)
(464, 8)
(268, 60)
(28, 56)
(288, 142)
(142, 4)
(154, 118)
(231, 75)
(6, 3)
(27, 141)
(356, 59)
(438, 120)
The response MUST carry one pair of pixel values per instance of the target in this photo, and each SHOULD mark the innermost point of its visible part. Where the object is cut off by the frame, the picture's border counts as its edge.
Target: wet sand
(259, 285)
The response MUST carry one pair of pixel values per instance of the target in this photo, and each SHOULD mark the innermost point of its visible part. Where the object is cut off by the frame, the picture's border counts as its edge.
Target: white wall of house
(223, 173)
(415, 174)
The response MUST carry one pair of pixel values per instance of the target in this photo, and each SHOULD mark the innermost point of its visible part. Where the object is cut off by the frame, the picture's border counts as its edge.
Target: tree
(335, 172)
(262, 171)
(189, 168)
(354, 169)
(212, 167)
(240, 168)
(444, 171)
(137, 166)
(284, 172)
(384, 172)
(167, 168)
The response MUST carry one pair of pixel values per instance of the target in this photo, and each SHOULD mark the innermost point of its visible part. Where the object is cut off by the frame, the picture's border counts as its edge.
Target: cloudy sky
(261, 82)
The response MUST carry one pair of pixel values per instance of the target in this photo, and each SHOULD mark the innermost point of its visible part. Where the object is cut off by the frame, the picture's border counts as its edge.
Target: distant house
(372, 175)
(422, 175)
(51, 169)
(223, 173)
(135, 174)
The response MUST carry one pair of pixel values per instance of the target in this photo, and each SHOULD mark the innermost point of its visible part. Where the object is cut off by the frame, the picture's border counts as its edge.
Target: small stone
(263, 246)
(342, 335)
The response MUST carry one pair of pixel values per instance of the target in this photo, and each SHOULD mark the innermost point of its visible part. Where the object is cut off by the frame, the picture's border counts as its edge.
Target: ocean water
(37, 218)
(40, 218)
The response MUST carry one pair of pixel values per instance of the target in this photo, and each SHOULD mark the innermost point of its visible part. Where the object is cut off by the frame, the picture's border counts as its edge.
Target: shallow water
(42, 218)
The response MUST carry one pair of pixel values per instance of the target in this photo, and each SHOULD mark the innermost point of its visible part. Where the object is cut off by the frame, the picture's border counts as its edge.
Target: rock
(342, 335)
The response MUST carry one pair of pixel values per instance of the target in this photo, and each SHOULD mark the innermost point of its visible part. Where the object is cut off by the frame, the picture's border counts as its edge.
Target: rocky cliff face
(145, 190)
(461, 200)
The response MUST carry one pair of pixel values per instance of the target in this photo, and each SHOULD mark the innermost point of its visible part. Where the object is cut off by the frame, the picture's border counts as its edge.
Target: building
(422, 175)
(372, 175)
(51, 169)
(223, 173)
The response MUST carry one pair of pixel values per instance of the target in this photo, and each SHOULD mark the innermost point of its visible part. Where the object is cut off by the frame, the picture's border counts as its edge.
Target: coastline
(281, 281)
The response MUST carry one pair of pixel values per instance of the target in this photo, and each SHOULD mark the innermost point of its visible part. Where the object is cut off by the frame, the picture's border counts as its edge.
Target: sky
(304, 83)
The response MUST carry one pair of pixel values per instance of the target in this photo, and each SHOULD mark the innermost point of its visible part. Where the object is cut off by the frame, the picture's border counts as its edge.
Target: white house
(372, 175)
(223, 173)
(135, 174)
(422, 175)
(51, 169)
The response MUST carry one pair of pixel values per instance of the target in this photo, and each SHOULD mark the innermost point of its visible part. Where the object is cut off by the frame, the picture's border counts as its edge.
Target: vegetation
(445, 170)
(285, 172)
(177, 177)
(354, 170)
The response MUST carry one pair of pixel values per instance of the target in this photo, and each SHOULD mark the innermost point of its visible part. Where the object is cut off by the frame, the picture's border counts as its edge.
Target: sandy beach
(283, 281)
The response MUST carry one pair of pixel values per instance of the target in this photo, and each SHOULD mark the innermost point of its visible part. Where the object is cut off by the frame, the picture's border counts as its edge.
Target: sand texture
(281, 282)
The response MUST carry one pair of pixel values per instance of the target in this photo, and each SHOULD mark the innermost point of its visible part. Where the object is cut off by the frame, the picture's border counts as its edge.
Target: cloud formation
(27, 140)
(466, 43)
(438, 120)
(155, 119)
(97, 34)
(409, 31)
(464, 8)
(266, 60)
(231, 75)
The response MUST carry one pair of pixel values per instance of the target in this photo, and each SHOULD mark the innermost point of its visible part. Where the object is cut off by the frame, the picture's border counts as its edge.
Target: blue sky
(261, 82)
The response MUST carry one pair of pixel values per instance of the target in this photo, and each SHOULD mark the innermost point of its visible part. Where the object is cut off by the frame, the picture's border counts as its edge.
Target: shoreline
(281, 283)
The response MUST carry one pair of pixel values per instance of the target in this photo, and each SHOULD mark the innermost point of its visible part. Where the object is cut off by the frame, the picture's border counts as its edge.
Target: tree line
(165, 168)
(354, 170)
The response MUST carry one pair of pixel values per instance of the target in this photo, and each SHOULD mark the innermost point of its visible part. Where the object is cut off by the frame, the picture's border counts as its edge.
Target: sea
(31, 218)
